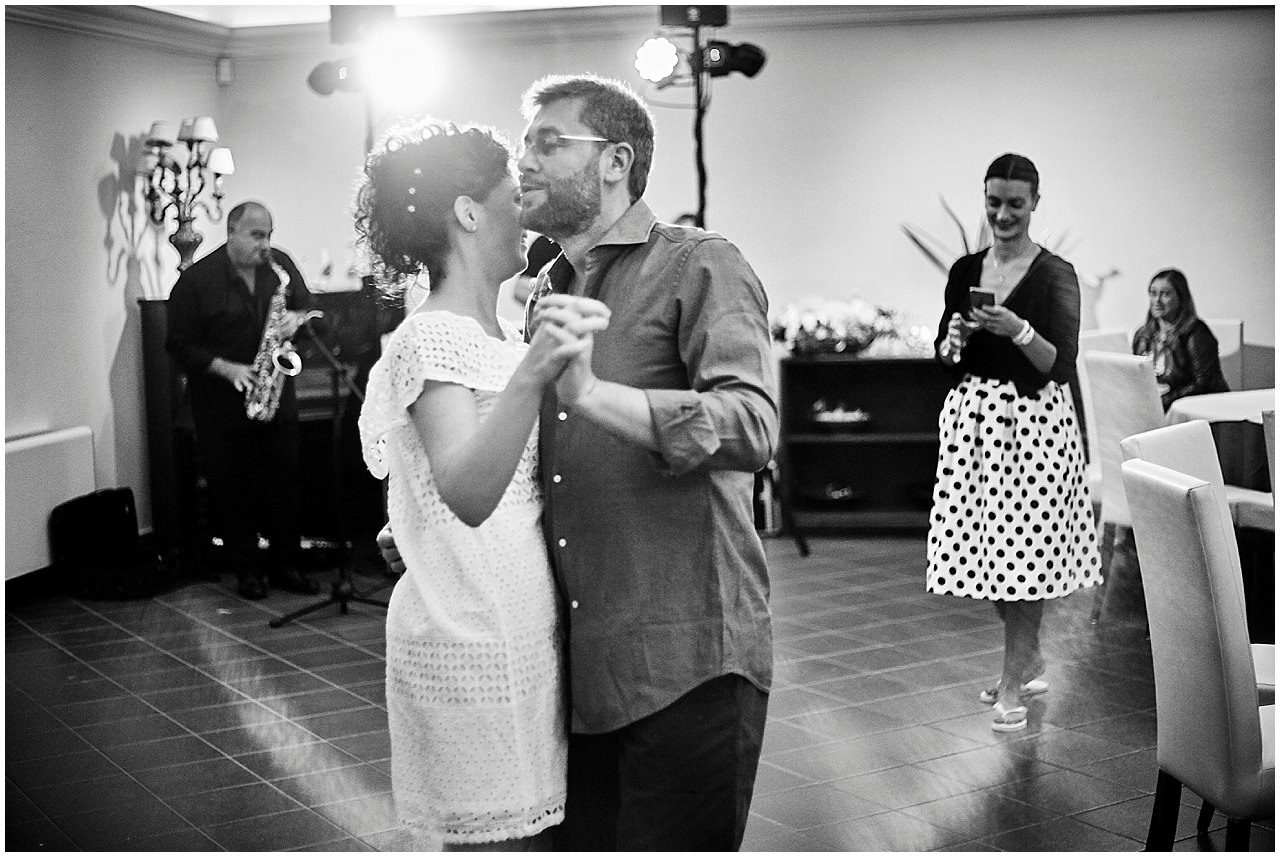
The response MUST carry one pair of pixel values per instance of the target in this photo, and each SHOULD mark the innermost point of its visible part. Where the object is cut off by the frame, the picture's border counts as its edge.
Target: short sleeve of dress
(432, 346)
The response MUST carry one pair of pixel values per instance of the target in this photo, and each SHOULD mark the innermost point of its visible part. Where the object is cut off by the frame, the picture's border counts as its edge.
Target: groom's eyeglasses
(546, 145)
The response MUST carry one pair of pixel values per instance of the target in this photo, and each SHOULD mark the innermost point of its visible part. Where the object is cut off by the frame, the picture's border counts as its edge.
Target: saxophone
(276, 358)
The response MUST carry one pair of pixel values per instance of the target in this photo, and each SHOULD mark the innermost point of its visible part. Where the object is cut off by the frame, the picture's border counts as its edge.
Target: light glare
(401, 70)
(657, 59)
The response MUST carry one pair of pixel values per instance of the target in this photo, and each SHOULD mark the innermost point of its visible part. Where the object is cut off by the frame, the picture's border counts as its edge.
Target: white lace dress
(474, 678)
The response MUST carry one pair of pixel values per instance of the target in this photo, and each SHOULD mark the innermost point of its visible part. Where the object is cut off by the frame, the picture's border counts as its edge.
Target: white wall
(78, 254)
(1154, 134)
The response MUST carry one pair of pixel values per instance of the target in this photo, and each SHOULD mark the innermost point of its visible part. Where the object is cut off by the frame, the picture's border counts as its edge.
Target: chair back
(1185, 447)
(1230, 335)
(1269, 432)
(1112, 339)
(1208, 727)
(1125, 402)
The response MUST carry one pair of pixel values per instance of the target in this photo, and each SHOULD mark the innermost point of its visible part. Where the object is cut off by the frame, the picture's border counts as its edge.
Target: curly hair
(411, 180)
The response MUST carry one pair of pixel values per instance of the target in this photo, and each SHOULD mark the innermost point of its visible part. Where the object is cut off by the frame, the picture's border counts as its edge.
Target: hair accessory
(417, 171)
(412, 191)
(412, 209)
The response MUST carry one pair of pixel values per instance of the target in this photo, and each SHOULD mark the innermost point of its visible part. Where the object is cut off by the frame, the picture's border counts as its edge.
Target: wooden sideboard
(865, 476)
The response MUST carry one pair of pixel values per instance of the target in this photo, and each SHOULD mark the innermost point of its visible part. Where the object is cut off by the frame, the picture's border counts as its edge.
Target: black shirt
(212, 314)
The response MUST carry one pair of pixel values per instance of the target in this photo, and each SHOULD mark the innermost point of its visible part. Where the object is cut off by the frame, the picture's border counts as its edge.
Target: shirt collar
(633, 227)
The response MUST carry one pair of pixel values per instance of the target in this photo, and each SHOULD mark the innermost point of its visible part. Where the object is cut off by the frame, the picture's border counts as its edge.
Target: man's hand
(239, 375)
(390, 554)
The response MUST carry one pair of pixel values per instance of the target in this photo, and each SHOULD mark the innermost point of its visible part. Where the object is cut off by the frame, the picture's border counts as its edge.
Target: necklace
(1011, 263)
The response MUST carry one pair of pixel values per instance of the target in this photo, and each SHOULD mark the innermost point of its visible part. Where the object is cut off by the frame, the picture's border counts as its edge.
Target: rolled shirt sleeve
(728, 418)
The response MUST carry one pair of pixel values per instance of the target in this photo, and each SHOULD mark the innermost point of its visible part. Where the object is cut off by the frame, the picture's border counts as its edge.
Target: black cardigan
(1048, 296)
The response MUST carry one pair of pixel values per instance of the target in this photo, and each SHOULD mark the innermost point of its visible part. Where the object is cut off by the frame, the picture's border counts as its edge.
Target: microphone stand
(344, 591)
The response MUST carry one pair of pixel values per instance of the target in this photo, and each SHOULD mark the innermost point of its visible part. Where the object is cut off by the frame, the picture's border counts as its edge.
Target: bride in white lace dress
(475, 695)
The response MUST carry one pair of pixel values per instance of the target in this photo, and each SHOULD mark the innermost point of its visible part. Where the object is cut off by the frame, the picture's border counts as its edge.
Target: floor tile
(247, 801)
(195, 777)
(890, 831)
(813, 806)
(116, 829)
(1051, 835)
(38, 835)
(983, 809)
(67, 798)
(281, 832)
(897, 788)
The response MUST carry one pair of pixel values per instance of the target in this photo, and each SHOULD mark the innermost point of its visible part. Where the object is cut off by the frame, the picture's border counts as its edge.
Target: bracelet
(1025, 335)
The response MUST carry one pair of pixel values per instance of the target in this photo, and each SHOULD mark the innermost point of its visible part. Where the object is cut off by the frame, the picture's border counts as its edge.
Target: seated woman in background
(1184, 350)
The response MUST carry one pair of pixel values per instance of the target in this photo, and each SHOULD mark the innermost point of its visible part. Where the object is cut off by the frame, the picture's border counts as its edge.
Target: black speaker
(350, 23)
(695, 16)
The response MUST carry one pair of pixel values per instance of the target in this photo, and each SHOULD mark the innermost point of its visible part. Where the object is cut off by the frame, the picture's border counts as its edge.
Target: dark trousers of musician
(251, 470)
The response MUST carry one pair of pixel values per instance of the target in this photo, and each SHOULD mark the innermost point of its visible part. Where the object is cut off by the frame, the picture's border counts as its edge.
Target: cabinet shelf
(890, 470)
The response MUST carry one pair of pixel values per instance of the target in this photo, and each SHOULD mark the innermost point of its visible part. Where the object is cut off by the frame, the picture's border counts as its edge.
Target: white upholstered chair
(1125, 402)
(1211, 735)
(1115, 340)
(1188, 448)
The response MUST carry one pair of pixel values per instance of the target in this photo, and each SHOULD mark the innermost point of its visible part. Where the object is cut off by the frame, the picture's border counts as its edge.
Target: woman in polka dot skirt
(1011, 521)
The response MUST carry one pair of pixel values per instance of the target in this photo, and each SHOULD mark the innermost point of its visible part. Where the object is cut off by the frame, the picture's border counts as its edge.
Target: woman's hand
(958, 332)
(998, 320)
(563, 334)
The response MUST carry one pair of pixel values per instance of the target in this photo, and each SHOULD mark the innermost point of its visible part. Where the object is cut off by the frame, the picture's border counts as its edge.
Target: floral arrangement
(818, 326)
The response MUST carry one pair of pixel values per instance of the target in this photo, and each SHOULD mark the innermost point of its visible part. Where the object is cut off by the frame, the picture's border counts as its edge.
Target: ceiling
(235, 16)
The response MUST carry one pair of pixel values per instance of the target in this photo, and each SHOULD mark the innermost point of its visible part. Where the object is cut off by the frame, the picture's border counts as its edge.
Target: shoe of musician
(292, 580)
(252, 588)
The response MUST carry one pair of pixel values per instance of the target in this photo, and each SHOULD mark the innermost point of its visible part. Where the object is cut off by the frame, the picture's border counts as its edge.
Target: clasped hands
(994, 319)
(561, 347)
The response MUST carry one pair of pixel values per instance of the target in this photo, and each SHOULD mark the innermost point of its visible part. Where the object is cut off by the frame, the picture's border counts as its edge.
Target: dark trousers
(252, 473)
(678, 780)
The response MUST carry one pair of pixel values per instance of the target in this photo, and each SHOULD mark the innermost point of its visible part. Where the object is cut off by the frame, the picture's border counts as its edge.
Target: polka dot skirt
(1011, 518)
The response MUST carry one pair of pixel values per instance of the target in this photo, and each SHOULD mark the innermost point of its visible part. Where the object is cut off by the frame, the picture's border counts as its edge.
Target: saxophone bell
(287, 359)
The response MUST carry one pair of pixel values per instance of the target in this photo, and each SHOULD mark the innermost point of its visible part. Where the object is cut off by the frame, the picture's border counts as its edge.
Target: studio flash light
(722, 58)
(335, 76)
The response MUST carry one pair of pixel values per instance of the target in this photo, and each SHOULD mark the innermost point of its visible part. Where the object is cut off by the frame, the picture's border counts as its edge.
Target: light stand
(344, 591)
(699, 113)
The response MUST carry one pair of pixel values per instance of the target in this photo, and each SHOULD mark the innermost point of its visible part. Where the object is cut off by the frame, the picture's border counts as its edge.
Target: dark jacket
(1190, 365)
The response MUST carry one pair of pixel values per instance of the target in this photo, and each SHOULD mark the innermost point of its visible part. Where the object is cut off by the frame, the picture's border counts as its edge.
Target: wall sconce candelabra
(178, 185)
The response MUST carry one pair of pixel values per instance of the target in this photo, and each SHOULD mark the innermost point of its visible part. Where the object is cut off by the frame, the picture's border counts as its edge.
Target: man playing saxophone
(223, 311)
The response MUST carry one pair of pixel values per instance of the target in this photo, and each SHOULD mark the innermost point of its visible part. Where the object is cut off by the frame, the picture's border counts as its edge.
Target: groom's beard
(569, 205)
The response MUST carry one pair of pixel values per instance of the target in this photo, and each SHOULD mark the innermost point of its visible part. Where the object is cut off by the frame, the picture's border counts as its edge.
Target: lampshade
(186, 128)
(203, 130)
(161, 133)
(220, 161)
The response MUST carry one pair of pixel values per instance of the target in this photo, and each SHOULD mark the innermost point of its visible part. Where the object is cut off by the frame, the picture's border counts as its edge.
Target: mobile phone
(981, 298)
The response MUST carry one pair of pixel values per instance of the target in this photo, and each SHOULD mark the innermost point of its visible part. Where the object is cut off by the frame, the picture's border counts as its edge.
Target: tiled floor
(186, 722)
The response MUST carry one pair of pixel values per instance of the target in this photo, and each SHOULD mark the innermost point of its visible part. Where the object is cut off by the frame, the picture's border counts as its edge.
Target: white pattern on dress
(475, 696)
(1011, 518)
